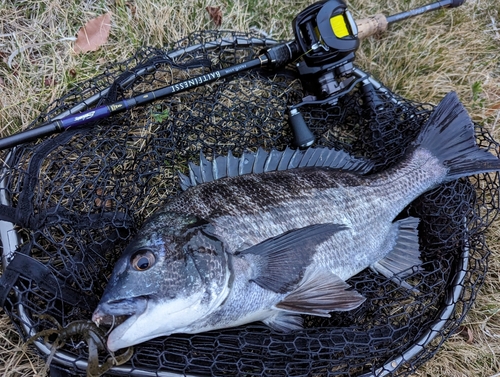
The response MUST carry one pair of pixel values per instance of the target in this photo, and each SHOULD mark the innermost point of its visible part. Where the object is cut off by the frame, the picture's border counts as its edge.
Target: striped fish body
(272, 235)
(248, 209)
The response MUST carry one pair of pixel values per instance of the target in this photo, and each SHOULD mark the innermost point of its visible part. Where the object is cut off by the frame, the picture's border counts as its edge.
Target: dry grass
(16, 359)
(421, 59)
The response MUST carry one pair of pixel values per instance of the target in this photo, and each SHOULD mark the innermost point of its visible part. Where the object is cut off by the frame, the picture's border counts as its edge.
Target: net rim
(64, 358)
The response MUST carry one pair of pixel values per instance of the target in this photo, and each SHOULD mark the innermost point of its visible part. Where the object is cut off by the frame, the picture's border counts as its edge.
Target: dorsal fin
(263, 161)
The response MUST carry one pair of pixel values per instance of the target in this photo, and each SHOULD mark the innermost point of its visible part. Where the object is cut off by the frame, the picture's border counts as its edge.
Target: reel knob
(303, 137)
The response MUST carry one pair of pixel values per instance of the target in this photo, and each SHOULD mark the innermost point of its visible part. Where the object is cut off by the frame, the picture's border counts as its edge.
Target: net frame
(402, 363)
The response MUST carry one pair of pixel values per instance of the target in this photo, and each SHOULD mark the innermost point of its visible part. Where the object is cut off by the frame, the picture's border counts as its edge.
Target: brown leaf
(132, 9)
(466, 333)
(492, 110)
(49, 81)
(94, 34)
(215, 14)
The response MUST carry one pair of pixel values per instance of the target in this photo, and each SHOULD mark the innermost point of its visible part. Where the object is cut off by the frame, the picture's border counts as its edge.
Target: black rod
(274, 57)
(424, 9)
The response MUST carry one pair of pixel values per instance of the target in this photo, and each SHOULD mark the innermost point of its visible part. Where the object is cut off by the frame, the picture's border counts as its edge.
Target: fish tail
(449, 135)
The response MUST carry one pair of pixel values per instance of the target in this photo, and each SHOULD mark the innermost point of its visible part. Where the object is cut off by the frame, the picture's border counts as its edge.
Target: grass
(421, 59)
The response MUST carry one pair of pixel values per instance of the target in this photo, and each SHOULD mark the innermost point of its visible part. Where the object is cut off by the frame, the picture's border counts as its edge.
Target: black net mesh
(76, 199)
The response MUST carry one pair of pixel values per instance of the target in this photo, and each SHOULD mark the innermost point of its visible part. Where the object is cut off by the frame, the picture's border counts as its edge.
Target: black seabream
(273, 235)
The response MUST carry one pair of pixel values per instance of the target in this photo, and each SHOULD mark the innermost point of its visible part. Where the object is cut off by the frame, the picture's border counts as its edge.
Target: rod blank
(378, 23)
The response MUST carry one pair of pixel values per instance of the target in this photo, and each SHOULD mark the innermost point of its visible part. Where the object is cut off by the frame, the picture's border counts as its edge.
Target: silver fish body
(281, 241)
(249, 209)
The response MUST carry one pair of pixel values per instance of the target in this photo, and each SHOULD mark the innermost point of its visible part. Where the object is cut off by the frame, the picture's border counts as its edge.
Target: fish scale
(247, 216)
(273, 235)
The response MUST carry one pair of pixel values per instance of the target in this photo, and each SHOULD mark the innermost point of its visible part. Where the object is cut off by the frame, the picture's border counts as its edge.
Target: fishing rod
(326, 38)
(378, 23)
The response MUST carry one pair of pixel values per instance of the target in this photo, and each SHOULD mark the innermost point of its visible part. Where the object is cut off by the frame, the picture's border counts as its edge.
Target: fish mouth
(120, 315)
(149, 319)
(115, 312)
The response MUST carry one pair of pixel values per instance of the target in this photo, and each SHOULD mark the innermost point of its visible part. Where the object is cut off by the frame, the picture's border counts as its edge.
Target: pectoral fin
(320, 293)
(279, 263)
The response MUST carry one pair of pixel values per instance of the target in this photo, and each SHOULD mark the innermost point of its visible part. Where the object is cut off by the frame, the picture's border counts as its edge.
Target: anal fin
(405, 255)
(284, 321)
(320, 293)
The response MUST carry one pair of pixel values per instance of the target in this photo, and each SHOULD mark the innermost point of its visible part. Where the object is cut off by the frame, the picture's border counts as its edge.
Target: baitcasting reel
(328, 37)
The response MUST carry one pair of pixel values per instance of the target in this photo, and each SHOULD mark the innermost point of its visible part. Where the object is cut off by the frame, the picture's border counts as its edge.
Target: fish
(273, 235)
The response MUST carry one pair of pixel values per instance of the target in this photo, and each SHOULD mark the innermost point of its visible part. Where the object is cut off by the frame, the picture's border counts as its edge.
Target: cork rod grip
(371, 25)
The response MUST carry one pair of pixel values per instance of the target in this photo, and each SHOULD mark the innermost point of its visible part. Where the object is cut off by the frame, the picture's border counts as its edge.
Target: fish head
(170, 276)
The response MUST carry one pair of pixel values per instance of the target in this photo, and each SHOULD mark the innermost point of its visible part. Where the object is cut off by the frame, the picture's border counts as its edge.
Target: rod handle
(371, 25)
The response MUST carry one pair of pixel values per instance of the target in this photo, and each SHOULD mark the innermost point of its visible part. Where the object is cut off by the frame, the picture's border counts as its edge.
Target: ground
(421, 59)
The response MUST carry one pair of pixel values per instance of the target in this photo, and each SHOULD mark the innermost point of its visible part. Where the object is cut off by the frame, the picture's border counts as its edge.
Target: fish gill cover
(77, 199)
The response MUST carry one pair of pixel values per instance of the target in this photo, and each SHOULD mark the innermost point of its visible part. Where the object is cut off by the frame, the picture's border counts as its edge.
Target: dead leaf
(492, 110)
(94, 34)
(49, 81)
(466, 333)
(215, 14)
(132, 9)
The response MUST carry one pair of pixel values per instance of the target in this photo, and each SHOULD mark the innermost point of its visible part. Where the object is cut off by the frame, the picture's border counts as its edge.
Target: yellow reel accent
(339, 26)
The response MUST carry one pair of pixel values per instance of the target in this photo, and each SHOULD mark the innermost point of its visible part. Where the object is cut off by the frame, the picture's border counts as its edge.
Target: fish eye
(142, 260)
